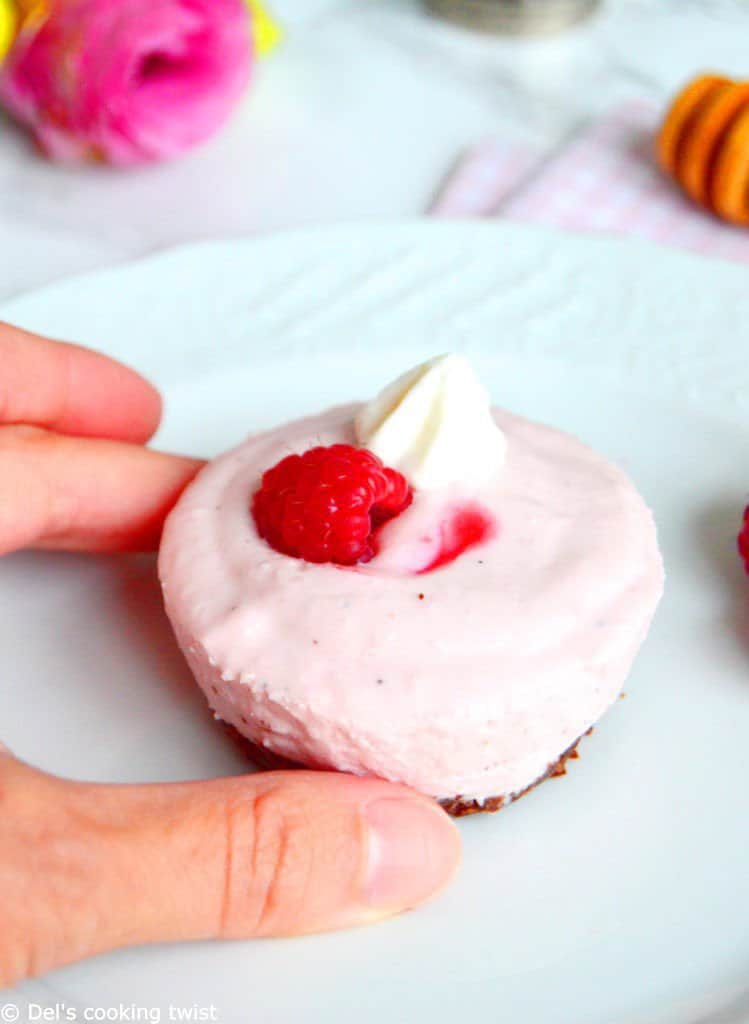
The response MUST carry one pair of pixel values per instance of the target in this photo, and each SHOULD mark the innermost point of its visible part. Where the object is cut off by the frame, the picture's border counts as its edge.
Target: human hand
(85, 868)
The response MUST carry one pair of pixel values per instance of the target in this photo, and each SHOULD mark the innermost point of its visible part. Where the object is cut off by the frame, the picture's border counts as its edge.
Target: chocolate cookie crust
(459, 807)
(456, 807)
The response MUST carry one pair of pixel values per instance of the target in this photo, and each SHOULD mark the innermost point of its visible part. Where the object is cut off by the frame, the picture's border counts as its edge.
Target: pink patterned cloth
(604, 179)
(483, 178)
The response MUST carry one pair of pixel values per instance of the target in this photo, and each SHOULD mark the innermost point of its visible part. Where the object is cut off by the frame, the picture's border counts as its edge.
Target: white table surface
(359, 115)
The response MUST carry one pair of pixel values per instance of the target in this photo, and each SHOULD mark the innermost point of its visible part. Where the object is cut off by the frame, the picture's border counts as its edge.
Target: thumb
(282, 853)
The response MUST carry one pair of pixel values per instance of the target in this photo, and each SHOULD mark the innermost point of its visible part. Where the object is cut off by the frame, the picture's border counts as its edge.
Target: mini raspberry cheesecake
(418, 588)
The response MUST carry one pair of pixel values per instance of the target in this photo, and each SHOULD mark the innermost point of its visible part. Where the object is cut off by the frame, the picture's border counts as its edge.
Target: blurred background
(363, 110)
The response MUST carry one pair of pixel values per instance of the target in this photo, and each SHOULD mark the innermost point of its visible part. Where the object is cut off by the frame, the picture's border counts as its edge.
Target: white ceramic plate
(616, 895)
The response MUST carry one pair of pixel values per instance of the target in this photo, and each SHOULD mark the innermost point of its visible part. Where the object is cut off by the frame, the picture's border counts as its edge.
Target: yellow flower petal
(8, 25)
(267, 31)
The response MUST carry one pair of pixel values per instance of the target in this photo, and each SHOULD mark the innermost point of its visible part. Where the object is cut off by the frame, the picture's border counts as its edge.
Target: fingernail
(414, 850)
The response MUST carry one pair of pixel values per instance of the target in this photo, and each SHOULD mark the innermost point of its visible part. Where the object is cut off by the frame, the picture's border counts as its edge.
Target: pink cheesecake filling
(489, 632)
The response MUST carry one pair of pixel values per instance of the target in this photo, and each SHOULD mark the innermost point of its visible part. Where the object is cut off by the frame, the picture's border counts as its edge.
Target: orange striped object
(703, 144)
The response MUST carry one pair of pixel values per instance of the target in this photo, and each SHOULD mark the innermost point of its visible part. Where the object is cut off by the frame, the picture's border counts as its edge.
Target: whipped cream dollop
(434, 425)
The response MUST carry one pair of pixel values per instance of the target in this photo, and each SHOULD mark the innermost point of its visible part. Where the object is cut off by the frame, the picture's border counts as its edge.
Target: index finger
(73, 390)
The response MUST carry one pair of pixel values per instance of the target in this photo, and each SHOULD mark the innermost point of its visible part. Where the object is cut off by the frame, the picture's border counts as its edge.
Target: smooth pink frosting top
(469, 680)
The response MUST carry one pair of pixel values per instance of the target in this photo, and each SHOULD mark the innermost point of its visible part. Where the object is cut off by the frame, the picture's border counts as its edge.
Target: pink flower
(128, 81)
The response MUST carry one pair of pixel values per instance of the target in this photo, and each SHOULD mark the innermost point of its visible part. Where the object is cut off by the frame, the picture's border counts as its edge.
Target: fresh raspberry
(324, 505)
(744, 539)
